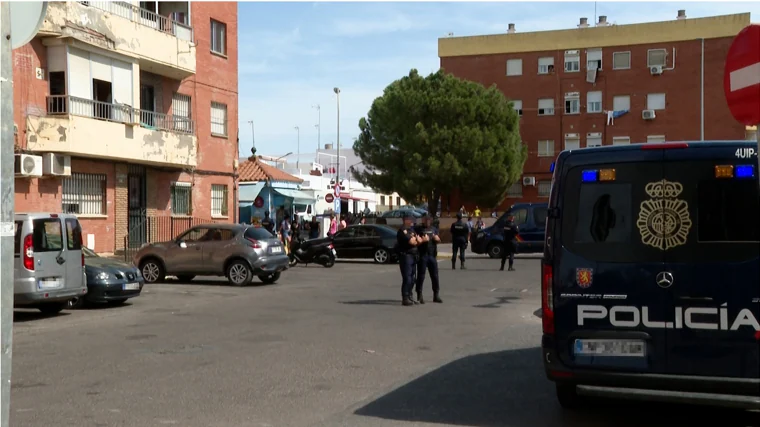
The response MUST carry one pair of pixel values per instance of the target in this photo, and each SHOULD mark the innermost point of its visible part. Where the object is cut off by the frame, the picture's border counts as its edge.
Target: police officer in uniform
(407, 242)
(460, 235)
(510, 232)
(267, 223)
(428, 252)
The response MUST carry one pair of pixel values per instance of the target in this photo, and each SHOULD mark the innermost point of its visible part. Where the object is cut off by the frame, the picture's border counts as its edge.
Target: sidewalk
(445, 252)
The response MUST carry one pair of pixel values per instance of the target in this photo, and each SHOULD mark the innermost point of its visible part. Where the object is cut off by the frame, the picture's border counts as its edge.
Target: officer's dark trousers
(406, 265)
(428, 263)
(458, 245)
(508, 253)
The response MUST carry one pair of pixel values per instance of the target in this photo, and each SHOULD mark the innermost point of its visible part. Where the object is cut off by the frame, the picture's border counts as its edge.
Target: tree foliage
(428, 136)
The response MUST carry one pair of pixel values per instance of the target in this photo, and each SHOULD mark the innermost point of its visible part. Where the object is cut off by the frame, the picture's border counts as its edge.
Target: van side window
(521, 216)
(73, 235)
(17, 239)
(604, 214)
(723, 209)
(539, 216)
(47, 235)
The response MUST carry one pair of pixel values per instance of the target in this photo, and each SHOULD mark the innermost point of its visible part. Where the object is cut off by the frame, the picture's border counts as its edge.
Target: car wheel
(381, 255)
(53, 307)
(185, 277)
(152, 270)
(239, 273)
(73, 303)
(268, 279)
(494, 250)
(568, 397)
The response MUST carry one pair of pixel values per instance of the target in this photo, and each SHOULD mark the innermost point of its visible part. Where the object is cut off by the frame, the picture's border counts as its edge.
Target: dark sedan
(108, 281)
(369, 241)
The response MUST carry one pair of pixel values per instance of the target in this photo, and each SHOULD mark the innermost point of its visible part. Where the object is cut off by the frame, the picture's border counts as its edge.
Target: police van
(651, 274)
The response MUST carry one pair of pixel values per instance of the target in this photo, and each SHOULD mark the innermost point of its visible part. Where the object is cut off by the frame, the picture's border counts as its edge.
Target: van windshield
(47, 235)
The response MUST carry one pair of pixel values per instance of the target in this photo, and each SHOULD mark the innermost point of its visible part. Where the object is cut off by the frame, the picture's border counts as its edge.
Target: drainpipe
(702, 94)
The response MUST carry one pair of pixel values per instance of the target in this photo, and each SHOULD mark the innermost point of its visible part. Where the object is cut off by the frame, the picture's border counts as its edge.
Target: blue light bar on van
(744, 171)
(590, 176)
(551, 167)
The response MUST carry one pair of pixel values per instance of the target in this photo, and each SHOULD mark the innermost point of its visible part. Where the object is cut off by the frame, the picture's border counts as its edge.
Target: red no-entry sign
(741, 79)
(329, 198)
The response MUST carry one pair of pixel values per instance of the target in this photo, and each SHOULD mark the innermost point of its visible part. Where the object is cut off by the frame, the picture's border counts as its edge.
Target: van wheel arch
(495, 249)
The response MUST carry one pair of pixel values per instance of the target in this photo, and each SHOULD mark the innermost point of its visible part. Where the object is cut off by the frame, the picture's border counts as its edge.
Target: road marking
(745, 77)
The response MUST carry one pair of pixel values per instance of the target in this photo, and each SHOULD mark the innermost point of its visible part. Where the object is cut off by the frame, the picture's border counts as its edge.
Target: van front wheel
(495, 250)
(53, 307)
(568, 397)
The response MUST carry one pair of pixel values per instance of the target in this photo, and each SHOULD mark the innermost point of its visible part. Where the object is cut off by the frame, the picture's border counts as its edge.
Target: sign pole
(7, 228)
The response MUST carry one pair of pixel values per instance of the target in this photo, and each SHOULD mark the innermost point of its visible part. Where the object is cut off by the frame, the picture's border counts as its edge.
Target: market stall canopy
(249, 192)
(298, 196)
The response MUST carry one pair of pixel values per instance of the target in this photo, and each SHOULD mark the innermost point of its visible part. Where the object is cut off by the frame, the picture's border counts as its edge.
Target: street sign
(336, 190)
(741, 76)
(329, 198)
(27, 18)
(258, 202)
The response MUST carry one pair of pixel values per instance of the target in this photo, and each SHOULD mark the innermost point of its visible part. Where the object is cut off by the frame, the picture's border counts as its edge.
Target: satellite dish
(26, 18)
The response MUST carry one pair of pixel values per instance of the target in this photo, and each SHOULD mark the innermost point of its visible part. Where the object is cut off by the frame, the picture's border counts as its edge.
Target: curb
(469, 255)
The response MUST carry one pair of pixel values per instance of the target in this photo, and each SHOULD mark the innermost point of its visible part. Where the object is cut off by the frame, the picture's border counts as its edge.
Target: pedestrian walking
(509, 233)
(267, 222)
(460, 235)
(407, 242)
(314, 228)
(428, 262)
(333, 225)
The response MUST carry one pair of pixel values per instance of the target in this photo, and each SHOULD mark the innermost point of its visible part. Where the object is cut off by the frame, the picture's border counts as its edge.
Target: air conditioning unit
(56, 164)
(529, 181)
(648, 115)
(27, 165)
(655, 70)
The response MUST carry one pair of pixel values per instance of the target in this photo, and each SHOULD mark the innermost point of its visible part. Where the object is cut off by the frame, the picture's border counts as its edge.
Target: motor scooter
(301, 251)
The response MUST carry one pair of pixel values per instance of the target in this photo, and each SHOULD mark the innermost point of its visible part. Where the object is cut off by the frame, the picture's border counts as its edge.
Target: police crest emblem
(664, 220)
(584, 277)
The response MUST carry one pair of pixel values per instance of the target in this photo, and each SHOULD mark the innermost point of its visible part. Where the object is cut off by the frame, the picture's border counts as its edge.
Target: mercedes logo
(665, 279)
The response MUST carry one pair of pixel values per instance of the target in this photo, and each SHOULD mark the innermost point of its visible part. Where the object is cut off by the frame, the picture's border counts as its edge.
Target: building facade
(603, 84)
(126, 112)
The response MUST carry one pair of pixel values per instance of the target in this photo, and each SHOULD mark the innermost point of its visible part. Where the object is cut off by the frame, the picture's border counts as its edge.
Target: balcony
(83, 127)
(162, 44)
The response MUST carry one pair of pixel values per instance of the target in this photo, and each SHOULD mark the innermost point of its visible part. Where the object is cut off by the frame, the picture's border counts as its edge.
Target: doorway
(147, 104)
(137, 223)
(102, 94)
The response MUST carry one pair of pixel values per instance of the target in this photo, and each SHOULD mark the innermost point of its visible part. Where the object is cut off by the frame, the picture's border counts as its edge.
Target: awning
(249, 192)
(298, 196)
(348, 196)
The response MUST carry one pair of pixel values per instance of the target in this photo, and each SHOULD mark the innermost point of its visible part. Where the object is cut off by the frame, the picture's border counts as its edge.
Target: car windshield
(89, 253)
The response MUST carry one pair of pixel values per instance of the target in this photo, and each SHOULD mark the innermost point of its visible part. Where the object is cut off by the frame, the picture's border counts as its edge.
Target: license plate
(276, 249)
(49, 283)
(612, 348)
(131, 286)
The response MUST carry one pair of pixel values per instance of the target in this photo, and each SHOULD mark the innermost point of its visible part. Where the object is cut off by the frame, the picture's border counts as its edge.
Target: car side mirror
(182, 245)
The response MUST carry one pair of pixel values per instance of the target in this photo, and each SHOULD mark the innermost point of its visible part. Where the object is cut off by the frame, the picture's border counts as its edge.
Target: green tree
(428, 136)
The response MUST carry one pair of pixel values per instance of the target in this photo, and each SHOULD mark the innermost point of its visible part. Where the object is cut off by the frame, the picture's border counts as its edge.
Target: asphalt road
(322, 347)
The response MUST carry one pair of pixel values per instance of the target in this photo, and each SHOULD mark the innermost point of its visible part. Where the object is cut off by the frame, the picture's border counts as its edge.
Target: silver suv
(236, 251)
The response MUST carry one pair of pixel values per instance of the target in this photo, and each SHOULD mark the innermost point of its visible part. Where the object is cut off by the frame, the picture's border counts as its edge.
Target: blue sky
(293, 54)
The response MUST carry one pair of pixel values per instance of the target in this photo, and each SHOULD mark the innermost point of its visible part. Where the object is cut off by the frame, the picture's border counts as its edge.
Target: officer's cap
(459, 215)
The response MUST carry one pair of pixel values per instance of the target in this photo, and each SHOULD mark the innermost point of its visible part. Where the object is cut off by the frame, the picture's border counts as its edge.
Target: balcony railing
(120, 113)
(144, 17)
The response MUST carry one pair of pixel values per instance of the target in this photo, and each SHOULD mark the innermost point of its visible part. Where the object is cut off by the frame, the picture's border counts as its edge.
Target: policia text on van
(651, 274)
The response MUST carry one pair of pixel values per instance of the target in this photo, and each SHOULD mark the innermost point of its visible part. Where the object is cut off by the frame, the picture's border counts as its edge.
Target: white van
(48, 268)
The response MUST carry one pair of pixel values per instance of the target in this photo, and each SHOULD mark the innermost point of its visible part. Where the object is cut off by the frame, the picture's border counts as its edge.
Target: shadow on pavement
(498, 303)
(508, 388)
(30, 316)
(374, 302)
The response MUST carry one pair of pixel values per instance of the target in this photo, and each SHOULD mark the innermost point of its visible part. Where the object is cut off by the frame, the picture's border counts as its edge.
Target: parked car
(368, 241)
(108, 281)
(48, 268)
(529, 217)
(236, 251)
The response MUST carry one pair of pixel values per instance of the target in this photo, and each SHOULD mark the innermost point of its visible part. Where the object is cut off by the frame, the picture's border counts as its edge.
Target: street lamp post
(337, 175)
(253, 138)
(318, 126)
(298, 156)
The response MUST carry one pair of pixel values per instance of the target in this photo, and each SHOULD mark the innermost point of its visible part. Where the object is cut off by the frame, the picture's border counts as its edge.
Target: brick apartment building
(603, 85)
(126, 114)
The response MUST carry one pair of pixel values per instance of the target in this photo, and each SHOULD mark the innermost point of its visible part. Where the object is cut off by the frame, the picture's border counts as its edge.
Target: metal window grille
(84, 194)
(515, 190)
(218, 37)
(181, 198)
(181, 112)
(218, 119)
(218, 200)
(544, 188)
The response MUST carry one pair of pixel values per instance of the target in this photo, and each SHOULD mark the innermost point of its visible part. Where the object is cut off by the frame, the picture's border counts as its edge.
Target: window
(47, 235)
(572, 143)
(656, 138)
(727, 212)
(218, 119)
(656, 101)
(540, 213)
(546, 107)
(545, 148)
(398, 201)
(514, 67)
(656, 57)
(572, 103)
(621, 140)
(84, 194)
(218, 200)
(594, 59)
(544, 188)
(604, 214)
(546, 65)
(517, 105)
(572, 61)
(17, 239)
(594, 102)
(218, 37)
(621, 60)
(181, 198)
(73, 234)
(621, 103)
(520, 215)
(181, 112)
(594, 140)
(382, 200)
(194, 235)
(515, 191)
(258, 233)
